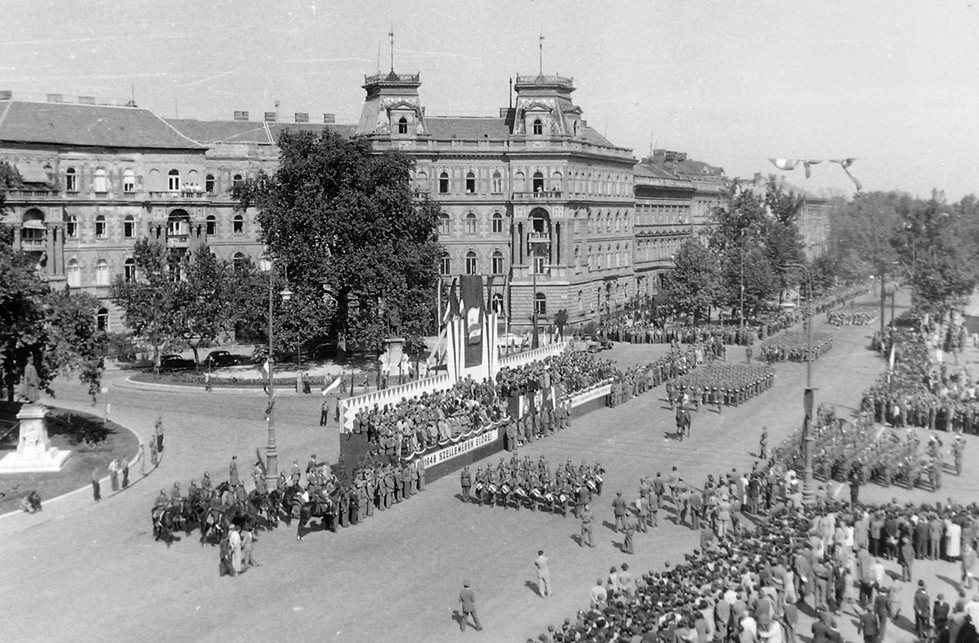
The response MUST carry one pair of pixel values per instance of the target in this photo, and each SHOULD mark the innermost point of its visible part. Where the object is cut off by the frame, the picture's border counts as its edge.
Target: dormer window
(538, 128)
(402, 125)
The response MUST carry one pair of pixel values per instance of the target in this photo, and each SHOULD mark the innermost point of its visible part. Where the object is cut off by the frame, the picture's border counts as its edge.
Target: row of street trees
(343, 231)
(740, 262)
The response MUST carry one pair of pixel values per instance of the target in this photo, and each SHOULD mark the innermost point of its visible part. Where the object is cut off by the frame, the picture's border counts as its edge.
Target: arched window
(74, 273)
(470, 183)
(178, 223)
(445, 224)
(497, 223)
(173, 181)
(580, 302)
(71, 180)
(618, 223)
(444, 183)
(498, 262)
(129, 227)
(497, 183)
(538, 182)
(102, 320)
(102, 273)
(129, 270)
(445, 267)
(236, 180)
(402, 125)
(518, 180)
(540, 304)
(100, 184)
(471, 223)
(100, 230)
(239, 261)
(421, 181)
(238, 224)
(128, 181)
(556, 181)
(538, 127)
(71, 226)
(471, 264)
(210, 225)
(209, 183)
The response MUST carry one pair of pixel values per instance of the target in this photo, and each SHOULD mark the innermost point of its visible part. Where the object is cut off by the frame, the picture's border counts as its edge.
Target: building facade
(554, 213)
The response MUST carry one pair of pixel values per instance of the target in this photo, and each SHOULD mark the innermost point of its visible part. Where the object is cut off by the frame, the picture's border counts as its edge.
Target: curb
(102, 481)
(130, 384)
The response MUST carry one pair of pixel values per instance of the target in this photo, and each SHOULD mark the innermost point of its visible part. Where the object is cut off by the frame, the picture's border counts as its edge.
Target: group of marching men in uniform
(524, 483)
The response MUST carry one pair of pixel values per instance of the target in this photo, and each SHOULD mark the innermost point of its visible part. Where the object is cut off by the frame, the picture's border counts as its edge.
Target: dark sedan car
(175, 363)
(219, 359)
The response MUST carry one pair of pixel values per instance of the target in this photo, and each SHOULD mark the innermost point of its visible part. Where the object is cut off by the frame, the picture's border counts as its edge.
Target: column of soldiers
(537, 425)
(852, 316)
(794, 347)
(858, 454)
(720, 385)
(538, 486)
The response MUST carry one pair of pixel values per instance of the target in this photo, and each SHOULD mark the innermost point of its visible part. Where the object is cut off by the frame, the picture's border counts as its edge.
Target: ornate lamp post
(271, 454)
(809, 396)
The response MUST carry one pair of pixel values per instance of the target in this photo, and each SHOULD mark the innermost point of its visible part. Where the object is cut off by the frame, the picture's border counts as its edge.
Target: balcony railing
(541, 195)
(538, 237)
(541, 79)
(23, 194)
(178, 240)
(391, 77)
(33, 244)
(176, 194)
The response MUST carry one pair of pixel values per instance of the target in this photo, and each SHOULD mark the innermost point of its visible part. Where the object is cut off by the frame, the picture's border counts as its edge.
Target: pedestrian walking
(325, 413)
(125, 473)
(543, 574)
(922, 610)
(630, 530)
(158, 429)
(154, 452)
(114, 475)
(96, 488)
(225, 567)
(763, 444)
(141, 458)
(468, 599)
(248, 540)
(618, 510)
(233, 471)
(586, 527)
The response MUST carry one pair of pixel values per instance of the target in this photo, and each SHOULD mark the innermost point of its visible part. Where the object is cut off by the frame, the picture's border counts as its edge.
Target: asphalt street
(83, 571)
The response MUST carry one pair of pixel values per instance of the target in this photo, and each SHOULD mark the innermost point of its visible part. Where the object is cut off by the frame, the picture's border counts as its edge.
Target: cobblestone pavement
(83, 571)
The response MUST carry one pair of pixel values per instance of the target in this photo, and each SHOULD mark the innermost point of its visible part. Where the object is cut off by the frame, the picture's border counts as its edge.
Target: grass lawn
(119, 443)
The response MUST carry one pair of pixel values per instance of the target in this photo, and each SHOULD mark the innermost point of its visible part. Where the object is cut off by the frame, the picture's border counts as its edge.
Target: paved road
(85, 572)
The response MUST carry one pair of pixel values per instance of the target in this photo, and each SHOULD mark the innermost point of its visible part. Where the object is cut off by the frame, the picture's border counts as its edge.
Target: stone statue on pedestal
(31, 382)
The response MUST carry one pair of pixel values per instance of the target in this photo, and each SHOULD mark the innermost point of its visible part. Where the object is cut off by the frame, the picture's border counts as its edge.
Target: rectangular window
(128, 183)
(129, 228)
(100, 227)
(446, 267)
(470, 265)
(497, 183)
(497, 224)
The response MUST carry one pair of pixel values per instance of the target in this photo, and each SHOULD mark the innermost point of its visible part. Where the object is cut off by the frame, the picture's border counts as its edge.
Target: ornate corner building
(556, 214)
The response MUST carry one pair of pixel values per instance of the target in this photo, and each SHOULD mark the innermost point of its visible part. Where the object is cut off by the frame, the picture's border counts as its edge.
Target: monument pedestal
(34, 451)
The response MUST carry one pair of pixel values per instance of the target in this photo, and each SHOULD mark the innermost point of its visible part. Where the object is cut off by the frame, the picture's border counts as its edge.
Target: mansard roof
(463, 127)
(88, 126)
(222, 131)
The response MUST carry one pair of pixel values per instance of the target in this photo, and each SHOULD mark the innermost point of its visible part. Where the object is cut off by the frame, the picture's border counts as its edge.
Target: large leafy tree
(756, 236)
(175, 300)
(359, 248)
(57, 329)
(693, 286)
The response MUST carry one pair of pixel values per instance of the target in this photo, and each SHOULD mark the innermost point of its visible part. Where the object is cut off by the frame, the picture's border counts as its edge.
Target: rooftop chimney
(270, 117)
(329, 118)
(6, 94)
(86, 100)
(241, 116)
(302, 117)
(55, 98)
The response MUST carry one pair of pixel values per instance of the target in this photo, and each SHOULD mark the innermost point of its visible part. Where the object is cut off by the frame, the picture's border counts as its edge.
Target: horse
(682, 423)
(318, 508)
(261, 507)
(164, 520)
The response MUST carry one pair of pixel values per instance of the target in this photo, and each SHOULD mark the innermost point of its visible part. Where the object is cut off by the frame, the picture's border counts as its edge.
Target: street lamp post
(271, 452)
(807, 439)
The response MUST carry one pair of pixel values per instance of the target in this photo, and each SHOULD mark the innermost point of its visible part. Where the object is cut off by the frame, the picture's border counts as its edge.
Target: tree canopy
(358, 247)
